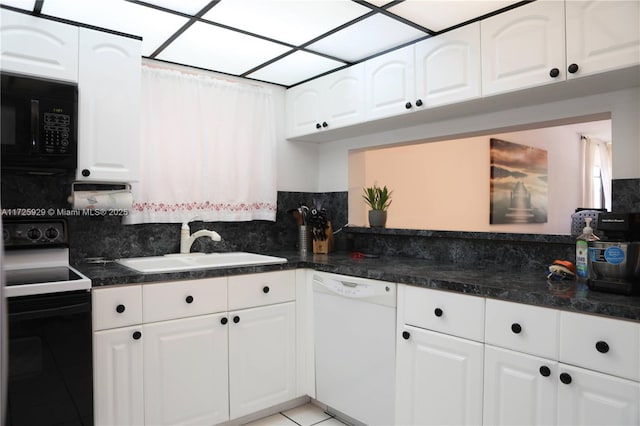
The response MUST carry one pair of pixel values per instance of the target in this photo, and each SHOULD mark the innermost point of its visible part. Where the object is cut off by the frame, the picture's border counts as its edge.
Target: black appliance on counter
(50, 374)
(39, 124)
(614, 260)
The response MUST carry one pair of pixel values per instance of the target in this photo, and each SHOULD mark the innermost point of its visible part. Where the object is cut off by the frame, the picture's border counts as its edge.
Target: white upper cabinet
(38, 47)
(390, 84)
(447, 67)
(601, 36)
(333, 101)
(109, 107)
(524, 47)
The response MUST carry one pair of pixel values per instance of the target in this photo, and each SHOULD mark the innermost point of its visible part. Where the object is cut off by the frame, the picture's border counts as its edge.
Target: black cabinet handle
(137, 335)
(406, 335)
(189, 299)
(565, 378)
(573, 68)
(86, 172)
(602, 347)
(236, 319)
(545, 371)
(554, 72)
(407, 105)
(318, 126)
(120, 308)
(438, 312)
(516, 328)
(265, 289)
(419, 102)
(324, 124)
(224, 320)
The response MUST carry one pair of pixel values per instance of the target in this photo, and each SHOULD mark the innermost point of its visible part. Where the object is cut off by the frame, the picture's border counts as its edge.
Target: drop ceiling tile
(190, 7)
(291, 21)
(20, 4)
(367, 37)
(438, 15)
(152, 25)
(211, 47)
(294, 68)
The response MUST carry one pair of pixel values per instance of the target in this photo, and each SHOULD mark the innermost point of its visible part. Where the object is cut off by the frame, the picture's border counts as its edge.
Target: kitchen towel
(103, 200)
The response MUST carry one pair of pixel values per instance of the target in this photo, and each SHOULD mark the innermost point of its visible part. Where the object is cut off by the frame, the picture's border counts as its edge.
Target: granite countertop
(525, 287)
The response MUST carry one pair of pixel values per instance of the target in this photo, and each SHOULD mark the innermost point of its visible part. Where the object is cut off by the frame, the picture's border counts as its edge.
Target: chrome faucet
(186, 240)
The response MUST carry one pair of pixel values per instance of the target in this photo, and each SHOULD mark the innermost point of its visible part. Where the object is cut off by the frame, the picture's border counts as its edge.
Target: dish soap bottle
(582, 251)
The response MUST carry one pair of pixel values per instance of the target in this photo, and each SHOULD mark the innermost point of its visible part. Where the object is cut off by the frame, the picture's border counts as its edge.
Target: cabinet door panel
(519, 48)
(344, 97)
(448, 66)
(118, 377)
(439, 379)
(185, 371)
(602, 35)
(109, 107)
(261, 358)
(303, 105)
(515, 391)
(38, 47)
(390, 83)
(597, 399)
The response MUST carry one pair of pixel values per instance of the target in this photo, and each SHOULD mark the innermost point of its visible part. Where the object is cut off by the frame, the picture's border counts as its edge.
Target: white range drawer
(115, 307)
(455, 314)
(247, 291)
(181, 299)
(523, 328)
(603, 344)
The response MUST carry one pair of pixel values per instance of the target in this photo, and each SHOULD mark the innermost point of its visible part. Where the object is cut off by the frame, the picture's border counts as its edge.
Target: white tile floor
(305, 415)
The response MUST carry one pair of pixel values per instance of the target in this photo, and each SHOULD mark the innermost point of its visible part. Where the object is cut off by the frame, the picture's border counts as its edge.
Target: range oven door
(50, 360)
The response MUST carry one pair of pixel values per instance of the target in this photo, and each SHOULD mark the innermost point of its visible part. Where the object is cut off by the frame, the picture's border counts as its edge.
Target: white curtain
(208, 150)
(595, 154)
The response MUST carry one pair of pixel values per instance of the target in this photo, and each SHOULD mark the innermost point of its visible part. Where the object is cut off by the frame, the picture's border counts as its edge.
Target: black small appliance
(614, 260)
(39, 124)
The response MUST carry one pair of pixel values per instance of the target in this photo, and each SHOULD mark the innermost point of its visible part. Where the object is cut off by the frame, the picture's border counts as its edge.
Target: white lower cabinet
(519, 389)
(439, 379)
(118, 376)
(186, 371)
(590, 398)
(261, 358)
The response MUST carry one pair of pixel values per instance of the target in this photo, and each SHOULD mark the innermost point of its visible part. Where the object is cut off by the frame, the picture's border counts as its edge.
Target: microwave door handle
(35, 125)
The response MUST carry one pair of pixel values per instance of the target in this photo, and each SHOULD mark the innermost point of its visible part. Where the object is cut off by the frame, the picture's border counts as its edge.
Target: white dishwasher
(355, 326)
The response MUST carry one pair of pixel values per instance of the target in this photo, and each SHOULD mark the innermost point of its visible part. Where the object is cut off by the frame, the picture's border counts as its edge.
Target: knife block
(324, 246)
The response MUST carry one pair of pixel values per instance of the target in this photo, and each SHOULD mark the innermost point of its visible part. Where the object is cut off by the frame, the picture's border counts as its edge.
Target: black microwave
(39, 124)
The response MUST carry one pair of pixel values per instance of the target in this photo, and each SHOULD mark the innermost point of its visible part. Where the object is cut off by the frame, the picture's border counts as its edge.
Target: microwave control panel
(57, 128)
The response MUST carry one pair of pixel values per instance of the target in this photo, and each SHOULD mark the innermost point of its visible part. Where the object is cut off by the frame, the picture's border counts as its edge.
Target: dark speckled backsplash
(107, 237)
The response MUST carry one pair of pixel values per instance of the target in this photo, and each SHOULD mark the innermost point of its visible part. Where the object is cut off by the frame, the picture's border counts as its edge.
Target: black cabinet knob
(419, 102)
(265, 289)
(324, 124)
(516, 328)
(545, 371)
(318, 126)
(120, 309)
(407, 105)
(602, 347)
(137, 335)
(406, 335)
(224, 320)
(438, 312)
(236, 319)
(85, 172)
(573, 68)
(565, 378)
(189, 299)
(554, 72)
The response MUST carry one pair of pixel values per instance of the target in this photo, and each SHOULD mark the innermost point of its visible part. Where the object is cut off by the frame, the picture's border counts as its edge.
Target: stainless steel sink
(194, 261)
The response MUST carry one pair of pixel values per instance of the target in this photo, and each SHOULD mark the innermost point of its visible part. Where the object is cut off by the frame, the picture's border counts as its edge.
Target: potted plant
(379, 200)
